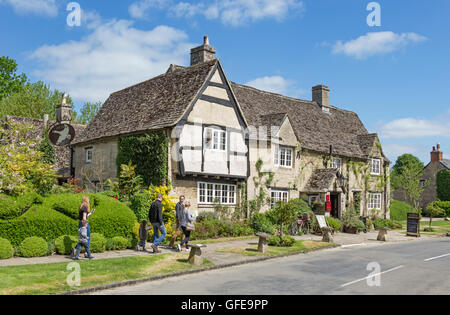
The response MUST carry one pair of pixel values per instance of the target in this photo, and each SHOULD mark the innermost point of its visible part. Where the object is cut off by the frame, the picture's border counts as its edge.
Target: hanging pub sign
(413, 224)
(61, 135)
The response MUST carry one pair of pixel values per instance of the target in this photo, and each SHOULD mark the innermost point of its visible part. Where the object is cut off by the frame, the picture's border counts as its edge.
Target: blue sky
(395, 76)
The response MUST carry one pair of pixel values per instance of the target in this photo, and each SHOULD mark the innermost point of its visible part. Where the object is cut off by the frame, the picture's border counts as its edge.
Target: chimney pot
(203, 53)
(437, 155)
(206, 41)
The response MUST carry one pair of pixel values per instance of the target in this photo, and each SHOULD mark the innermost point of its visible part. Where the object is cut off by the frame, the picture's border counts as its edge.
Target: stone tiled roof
(320, 180)
(446, 163)
(317, 130)
(157, 103)
(62, 154)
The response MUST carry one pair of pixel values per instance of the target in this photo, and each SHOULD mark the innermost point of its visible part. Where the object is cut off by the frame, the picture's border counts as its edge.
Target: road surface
(421, 267)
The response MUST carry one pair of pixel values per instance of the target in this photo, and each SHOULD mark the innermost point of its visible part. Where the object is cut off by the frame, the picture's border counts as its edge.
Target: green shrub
(443, 185)
(120, 243)
(261, 223)
(286, 241)
(33, 247)
(334, 223)
(445, 205)
(98, 243)
(212, 227)
(50, 248)
(6, 249)
(65, 243)
(399, 210)
(383, 223)
(369, 224)
(11, 208)
(140, 204)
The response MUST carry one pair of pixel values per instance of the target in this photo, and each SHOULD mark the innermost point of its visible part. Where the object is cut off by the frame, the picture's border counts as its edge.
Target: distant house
(219, 129)
(63, 154)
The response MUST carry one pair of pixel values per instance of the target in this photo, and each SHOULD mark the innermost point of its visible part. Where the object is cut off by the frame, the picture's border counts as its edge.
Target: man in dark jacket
(178, 213)
(155, 217)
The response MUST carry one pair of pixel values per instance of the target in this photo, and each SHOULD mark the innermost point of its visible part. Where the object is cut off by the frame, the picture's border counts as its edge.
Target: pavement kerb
(189, 272)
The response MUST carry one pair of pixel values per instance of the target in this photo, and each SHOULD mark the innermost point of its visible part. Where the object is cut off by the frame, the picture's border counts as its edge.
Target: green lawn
(51, 278)
(299, 247)
(440, 227)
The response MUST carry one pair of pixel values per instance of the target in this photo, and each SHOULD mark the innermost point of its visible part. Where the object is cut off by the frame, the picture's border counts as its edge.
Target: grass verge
(298, 247)
(52, 278)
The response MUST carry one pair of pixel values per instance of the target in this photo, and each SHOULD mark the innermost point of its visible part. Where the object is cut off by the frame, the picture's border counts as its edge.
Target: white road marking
(433, 258)
(371, 276)
(351, 245)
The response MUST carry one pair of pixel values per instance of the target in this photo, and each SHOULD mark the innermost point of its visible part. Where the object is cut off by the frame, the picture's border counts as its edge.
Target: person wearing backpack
(156, 219)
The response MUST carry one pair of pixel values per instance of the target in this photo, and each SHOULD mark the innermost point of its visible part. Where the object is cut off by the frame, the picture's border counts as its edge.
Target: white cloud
(38, 7)
(115, 55)
(230, 12)
(416, 128)
(277, 84)
(376, 43)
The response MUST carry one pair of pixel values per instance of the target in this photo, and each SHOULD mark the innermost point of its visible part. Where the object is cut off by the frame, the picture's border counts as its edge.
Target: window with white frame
(375, 168)
(283, 156)
(336, 163)
(374, 201)
(215, 139)
(222, 193)
(89, 154)
(278, 195)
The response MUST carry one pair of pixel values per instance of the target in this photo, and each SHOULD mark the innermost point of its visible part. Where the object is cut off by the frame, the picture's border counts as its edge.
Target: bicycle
(301, 225)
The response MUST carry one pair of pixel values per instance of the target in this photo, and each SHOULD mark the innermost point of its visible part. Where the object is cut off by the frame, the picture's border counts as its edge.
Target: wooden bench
(327, 234)
(262, 244)
(382, 234)
(195, 256)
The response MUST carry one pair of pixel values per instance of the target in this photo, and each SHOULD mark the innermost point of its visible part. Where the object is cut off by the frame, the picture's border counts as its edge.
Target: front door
(334, 205)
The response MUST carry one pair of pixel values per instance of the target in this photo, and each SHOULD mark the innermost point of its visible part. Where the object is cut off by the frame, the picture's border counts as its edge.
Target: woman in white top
(186, 220)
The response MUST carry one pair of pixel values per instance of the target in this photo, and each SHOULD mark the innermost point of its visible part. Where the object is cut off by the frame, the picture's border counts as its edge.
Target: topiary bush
(33, 247)
(65, 243)
(140, 204)
(11, 208)
(120, 243)
(98, 243)
(6, 249)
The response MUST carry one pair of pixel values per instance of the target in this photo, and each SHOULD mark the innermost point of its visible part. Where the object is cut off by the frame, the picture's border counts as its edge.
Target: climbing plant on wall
(149, 152)
(443, 185)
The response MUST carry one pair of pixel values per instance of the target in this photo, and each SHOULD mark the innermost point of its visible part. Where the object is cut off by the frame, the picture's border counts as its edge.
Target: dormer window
(215, 139)
(336, 163)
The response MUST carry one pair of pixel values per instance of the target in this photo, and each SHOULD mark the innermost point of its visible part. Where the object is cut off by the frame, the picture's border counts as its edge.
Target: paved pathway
(210, 252)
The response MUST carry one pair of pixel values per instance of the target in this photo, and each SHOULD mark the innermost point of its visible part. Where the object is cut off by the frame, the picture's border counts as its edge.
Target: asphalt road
(420, 267)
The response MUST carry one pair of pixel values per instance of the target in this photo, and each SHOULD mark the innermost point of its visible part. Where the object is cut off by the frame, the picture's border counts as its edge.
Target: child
(83, 240)
(143, 235)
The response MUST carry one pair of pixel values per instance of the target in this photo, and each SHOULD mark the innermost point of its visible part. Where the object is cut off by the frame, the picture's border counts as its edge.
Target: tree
(434, 211)
(21, 167)
(10, 82)
(47, 149)
(443, 185)
(88, 112)
(409, 180)
(285, 213)
(33, 100)
(404, 162)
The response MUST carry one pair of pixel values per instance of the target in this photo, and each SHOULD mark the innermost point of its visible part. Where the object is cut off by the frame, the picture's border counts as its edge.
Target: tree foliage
(88, 112)
(409, 180)
(443, 185)
(403, 163)
(285, 213)
(10, 82)
(21, 166)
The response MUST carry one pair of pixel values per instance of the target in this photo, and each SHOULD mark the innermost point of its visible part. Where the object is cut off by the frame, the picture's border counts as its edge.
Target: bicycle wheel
(305, 228)
(293, 229)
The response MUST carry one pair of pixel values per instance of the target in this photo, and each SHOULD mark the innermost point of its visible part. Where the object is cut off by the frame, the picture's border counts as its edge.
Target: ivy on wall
(149, 152)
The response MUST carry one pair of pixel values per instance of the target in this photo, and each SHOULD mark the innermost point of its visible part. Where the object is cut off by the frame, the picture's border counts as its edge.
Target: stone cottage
(428, 179)
(218, 130)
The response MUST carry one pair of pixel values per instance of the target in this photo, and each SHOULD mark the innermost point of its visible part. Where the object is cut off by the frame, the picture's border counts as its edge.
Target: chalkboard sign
(413, 225)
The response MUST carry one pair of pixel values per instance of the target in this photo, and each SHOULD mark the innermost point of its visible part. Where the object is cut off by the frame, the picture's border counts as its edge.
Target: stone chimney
(321, 95)
(437, 155)
(64, 111)
(202, 53)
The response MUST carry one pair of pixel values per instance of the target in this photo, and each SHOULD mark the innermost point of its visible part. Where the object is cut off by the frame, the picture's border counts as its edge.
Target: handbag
(190, 227)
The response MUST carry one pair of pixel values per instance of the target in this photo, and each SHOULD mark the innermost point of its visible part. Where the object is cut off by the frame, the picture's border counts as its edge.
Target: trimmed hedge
(65, 243)
(286, 241)
(6, 249)
(140, 204)
(58, 215)
(399, 210)
(98, 243)
(33, 247)
(11, 208)
(118, 243)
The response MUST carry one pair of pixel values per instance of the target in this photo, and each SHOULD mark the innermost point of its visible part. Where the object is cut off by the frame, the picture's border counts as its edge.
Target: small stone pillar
(382, 234)
(327, 237)
(262, 244)
(195, 256)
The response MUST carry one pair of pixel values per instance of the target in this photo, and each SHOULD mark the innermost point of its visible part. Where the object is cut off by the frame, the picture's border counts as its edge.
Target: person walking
(186, 223)
(178, 213)
(84, 213)
(156, 219)
(83, 240)
(143, 235)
